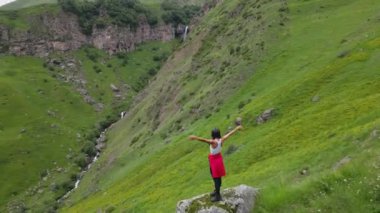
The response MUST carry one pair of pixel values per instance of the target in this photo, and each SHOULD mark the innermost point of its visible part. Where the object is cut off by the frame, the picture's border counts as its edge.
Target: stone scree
(240, 199)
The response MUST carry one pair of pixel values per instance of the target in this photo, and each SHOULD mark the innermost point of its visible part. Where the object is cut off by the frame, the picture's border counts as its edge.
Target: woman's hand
(192, 137)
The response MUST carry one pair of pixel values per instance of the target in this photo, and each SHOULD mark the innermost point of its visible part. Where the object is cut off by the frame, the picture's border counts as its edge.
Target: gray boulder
(240, 199)
(265, 116)
(315, 98)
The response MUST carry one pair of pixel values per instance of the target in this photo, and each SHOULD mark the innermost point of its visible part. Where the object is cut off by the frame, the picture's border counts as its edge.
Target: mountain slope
(49, 121)
(54, 107)
(315, 62)
(19, 4)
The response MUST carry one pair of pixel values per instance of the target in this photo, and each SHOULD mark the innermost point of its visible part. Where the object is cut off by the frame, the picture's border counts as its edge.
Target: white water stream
(81, 175)
(185, 34)
(77, 182)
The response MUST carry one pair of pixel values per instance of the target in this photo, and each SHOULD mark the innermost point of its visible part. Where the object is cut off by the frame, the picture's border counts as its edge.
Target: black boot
(216, 197)
(212, 194)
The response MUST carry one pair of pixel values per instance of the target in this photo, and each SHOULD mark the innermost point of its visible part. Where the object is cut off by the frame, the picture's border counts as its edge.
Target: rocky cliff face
(61, 32)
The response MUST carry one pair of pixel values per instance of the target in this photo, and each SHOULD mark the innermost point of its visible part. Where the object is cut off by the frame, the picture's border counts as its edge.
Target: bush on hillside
(91, 54)
(110, 209)
(89, 148)
(161, 57)
(110, 119)
(81, 161)
(152, 71)
(100, 13)
(176, 14)
(97, 69)
(44, 173)
(68, 185)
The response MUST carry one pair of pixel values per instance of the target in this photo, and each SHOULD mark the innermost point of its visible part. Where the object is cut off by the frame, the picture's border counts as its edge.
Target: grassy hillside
(45, 122)
(19, 4)
(20, 19)
(315, 62)
(36, 133)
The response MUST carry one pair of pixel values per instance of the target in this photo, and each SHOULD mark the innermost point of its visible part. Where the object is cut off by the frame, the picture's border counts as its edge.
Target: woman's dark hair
(215, 133)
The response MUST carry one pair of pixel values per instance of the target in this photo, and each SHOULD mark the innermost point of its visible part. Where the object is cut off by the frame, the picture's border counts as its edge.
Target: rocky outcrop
(265, 116)
(61, 32)
(240, 199)
(115, 39)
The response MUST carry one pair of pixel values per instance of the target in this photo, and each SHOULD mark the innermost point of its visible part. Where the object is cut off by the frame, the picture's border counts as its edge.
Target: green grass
(32, 140)
(45, 122)
(262, 56)
(130, 72)
(19, 4)
(192, 2)
(22, 19)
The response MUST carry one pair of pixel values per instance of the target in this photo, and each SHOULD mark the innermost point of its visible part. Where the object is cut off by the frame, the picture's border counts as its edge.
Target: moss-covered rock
(237, 199)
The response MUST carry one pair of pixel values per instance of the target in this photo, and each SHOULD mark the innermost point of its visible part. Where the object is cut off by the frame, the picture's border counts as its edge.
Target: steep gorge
(70, 86)
(311, 65)
(302, 60)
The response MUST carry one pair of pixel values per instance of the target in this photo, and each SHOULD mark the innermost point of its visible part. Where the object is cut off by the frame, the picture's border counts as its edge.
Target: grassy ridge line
(317, 135)
(20, 4)
(20, 19)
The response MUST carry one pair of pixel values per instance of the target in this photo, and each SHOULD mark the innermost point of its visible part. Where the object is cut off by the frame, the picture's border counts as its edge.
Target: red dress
(216, 165)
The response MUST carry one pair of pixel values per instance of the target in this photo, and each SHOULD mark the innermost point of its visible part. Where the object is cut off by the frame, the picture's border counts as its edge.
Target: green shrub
(89, 148)
(241, 104)
(156, 58)
(176, 14)
(92, 55)
(44, 173)
(97, 69)
(119, 12)
(122, 55)
(110, 209)
(81, 161)
(152, 71)
(68, 185)
(110, 119)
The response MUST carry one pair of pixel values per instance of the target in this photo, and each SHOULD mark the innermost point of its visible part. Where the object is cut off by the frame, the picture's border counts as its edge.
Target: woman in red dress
(216, 159)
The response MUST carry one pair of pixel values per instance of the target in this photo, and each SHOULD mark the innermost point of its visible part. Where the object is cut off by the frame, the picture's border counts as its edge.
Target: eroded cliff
(61, 32)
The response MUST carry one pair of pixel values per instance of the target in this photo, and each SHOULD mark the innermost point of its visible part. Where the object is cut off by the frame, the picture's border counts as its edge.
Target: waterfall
(185, 34)
(77, 184)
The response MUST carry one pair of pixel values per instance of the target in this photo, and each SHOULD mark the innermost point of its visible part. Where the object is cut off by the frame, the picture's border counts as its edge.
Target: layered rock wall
(61, 32)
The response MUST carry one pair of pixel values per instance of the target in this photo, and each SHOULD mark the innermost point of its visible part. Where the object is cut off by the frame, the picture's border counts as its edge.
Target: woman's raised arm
(225, 137)
(193, 137)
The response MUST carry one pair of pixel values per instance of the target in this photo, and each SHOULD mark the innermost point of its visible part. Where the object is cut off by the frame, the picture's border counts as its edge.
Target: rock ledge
(240, 199)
